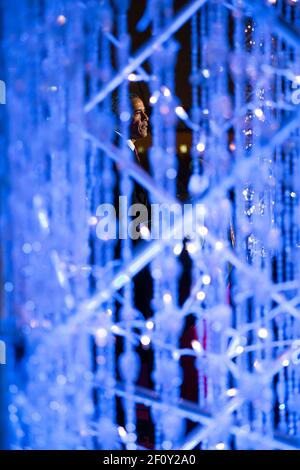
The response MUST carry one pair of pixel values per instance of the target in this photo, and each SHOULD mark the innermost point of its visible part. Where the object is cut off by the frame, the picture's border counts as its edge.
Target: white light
(293, 194)
(191, 248)
(43, 219)
(231, 392)
(149, 325)
(93, 220)
(166, 91)
(101, 333)
(177, 249)
(201, 295)
(167, 298)
(201, 209)
(132, 77)
(263, 333)
(122, 432)
(119, 281)
(282, 406)
(61, 20)
(115, 329)
(176, 355)
(202, 230)
(206, 279)
(201, 147)
(259, 113)
(181, 113)
(183, 148)
(220, 446)
(145, 232)
(33, 323)
(206, 73)
(196, 346)
(239, 350)
(219, 246)
(154, 98)
(145, 340)
(285, 363)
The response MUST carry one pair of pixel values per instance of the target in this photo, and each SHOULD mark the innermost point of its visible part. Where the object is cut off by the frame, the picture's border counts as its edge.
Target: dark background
(183, 89)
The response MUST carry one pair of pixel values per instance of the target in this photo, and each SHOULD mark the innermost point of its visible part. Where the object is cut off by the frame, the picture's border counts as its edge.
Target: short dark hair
(115, 104)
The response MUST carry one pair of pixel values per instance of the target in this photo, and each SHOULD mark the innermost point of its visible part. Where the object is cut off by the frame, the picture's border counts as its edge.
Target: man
(143, 293)
(139, 121)
(138, 129)
(139, 124)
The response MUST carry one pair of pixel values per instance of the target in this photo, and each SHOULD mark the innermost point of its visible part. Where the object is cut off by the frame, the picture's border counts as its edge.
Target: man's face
(139, 121)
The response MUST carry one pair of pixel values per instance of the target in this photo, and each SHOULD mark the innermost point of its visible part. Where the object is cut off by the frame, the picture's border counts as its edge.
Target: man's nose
(145, 117)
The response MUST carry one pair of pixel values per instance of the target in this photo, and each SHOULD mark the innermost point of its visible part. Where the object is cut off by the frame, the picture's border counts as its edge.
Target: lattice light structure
(76, 382)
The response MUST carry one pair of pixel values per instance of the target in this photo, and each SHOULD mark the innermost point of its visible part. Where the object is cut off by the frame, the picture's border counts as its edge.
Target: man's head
(139, 120)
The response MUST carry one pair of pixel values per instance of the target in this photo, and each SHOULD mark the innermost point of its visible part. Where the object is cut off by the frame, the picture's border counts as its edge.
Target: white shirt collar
(130, 145)
(129, 142)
